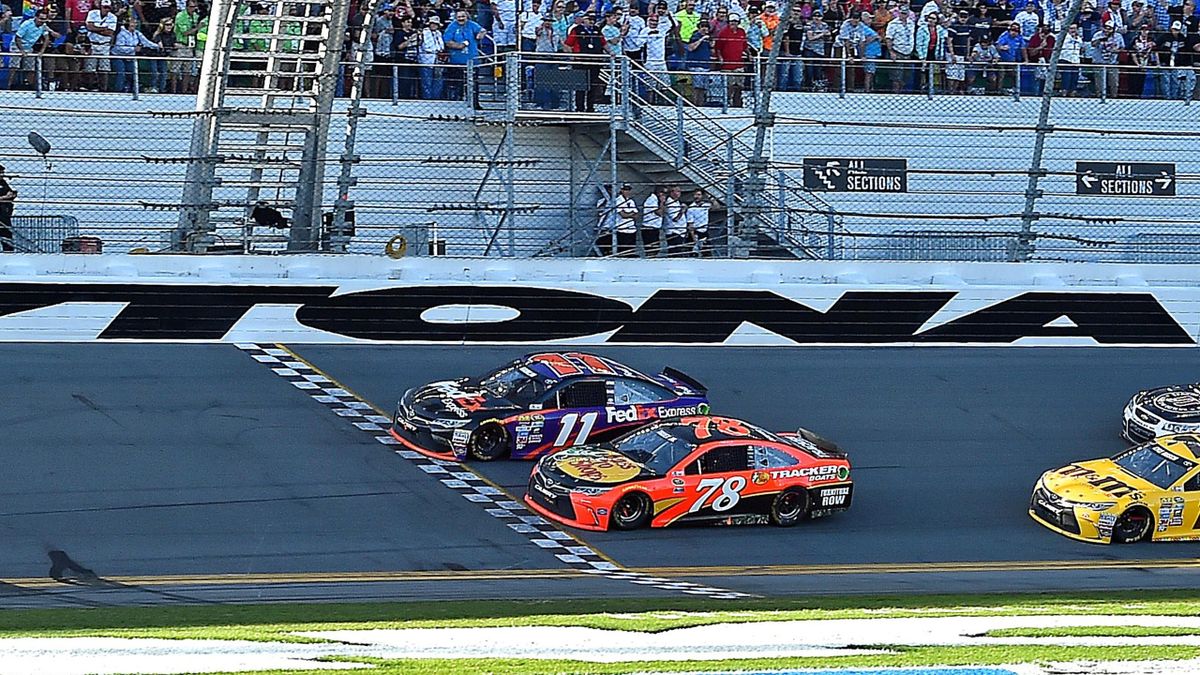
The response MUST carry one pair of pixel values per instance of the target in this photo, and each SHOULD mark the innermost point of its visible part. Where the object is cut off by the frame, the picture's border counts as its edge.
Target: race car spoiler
(824, 445)
(684, 378)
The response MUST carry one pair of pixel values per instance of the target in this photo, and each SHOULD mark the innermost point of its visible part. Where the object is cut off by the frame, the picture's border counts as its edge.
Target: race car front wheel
(488, 442)
(789, 507)
(1133, 526)
(631, 512)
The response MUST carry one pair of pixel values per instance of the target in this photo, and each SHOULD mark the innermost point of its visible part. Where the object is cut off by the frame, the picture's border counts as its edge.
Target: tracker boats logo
(667, 316)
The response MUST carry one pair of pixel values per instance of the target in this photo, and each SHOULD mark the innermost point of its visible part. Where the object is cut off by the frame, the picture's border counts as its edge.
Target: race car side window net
(725, 459)
(584, 394)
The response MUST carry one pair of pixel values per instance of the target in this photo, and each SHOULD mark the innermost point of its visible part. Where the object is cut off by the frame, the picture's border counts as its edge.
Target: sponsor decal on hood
(595, 465)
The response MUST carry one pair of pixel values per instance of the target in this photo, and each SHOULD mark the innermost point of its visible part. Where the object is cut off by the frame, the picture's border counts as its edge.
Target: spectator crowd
(666, 224)
(704, 49)
(92, 45)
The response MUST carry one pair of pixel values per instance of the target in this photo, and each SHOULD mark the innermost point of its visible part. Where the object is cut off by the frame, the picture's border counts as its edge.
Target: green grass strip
(1094, 631)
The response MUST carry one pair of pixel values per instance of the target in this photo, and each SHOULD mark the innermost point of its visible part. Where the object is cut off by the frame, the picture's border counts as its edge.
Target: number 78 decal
(731, 493)
(586, 422)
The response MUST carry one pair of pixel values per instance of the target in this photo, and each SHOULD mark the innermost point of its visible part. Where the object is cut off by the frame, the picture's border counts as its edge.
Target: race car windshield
(655, 448)
(1155, 465)
(514, 384)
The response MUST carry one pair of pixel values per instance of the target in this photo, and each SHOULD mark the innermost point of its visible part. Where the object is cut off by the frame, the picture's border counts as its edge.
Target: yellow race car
(1150, 491)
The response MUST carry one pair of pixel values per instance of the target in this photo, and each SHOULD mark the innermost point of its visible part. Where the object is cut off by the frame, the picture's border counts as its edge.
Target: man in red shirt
(730, 48)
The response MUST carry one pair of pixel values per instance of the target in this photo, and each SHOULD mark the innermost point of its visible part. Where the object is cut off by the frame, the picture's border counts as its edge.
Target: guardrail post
(37, 73)
(929, 70)
(625, 88)
(1103, 83)
(729, 208)
(842, 86)
(395, 84)
(136, 76)
(679, 149)
(831, 225)
(781, 216)
(1016, 83)
(512, 86)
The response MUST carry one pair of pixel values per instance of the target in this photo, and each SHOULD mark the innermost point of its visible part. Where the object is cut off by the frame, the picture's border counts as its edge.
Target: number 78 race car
(694, 468)
(538, 403)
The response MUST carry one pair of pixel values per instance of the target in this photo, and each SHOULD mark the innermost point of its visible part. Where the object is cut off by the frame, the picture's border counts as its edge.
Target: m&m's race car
(538, 403)
(693, 468)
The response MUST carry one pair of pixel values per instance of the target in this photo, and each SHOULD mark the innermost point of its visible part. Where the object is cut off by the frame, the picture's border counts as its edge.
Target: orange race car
(692, 468)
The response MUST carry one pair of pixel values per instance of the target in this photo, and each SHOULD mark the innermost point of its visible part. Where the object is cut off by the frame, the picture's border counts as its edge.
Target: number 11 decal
(586, 422)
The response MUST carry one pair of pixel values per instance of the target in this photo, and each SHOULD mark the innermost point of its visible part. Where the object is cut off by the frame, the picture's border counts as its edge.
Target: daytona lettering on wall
(329, 313)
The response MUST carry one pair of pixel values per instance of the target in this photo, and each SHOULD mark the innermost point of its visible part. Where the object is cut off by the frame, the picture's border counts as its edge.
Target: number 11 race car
(694, 468)
(539, 403)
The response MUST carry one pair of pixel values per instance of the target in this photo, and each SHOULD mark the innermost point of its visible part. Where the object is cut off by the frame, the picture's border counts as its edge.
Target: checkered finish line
(461, 479)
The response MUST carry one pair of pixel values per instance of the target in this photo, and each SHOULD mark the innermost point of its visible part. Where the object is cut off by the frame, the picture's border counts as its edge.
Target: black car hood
(1179, 402)
(592, 466)
(456, 400)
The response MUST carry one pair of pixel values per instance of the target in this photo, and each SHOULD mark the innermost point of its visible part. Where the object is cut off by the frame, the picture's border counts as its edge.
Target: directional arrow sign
(1127, 179)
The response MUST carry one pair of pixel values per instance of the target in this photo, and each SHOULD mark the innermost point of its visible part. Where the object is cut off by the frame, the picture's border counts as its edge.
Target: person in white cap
(432, 45)
(102, 27)
(1106, 49)
(8, 197)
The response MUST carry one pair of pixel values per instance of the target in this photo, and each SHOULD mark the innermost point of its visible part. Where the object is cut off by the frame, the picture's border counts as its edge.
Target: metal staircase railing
(694, 142)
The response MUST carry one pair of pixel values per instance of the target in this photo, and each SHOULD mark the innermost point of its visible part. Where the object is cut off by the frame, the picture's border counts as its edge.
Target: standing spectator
(406, 49)
(432, 51)
(1012, 52)
(719, 22)
(850, 45)
(1069, 59)
(730, 46)
(1029, 21)
(1145, 57)
(462, 42)
(770, 19)
(872, 49)
(687, 19)
(930, 47)
(1106, 50)
(816, 42)
(30, 43)
(653, 213)
(383, 32)
(530, 20)
(1039, 51)
(544, 96)
(901, 39)
(504, 24)
(1117, 17)
(587, 42)
(699, 62)
(102, 29)
(185, 68)
(164, 34)
(791, 61)
(8, 198)
(77, 11)
(654, 37)
(675, 227)
(154, 11)
(1141, 15)
(697, 223)
(627, 214)
(1174, 55)
(958, 33)
(129, 42)
(984, 59)
(634, 43)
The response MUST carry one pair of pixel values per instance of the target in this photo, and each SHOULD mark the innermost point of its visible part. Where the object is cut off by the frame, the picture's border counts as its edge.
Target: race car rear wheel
(1133, 526)
(487, 443)
(631, 512)
(789, 507)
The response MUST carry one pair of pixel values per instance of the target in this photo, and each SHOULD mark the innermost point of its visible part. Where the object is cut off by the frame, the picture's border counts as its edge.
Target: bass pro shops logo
(209, 312)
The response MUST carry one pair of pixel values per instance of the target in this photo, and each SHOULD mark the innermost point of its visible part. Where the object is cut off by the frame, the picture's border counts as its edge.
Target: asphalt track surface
(151, 460)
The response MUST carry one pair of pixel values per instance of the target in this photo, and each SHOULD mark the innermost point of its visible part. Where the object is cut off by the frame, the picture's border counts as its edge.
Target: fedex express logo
(675, 316)
(634, 413)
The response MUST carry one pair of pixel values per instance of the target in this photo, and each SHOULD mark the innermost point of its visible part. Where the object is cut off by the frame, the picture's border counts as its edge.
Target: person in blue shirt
(28, 35)
(1012, 51)
(462, 42)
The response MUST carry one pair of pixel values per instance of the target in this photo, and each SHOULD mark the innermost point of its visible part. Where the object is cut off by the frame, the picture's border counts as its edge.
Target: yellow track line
(671, 572)
(383, 413)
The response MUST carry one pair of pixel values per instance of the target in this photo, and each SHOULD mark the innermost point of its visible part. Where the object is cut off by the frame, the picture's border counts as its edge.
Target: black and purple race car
(539, 403)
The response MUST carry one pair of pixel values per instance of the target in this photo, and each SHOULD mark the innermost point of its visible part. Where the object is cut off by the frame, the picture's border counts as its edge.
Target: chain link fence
(866, 160)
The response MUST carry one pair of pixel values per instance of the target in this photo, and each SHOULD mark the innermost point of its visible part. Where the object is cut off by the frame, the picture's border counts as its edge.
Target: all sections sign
(1129, 179)
(827, 174)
